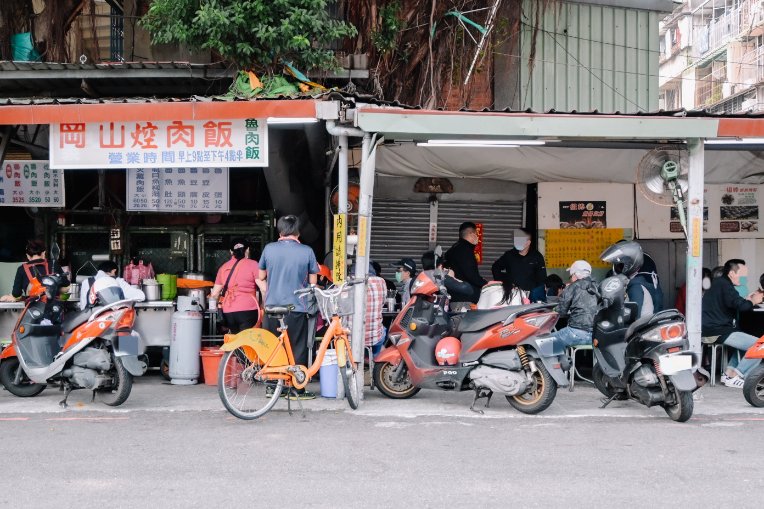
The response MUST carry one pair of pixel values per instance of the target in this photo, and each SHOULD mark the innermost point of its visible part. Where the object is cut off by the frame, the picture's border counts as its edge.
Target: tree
(260, 35)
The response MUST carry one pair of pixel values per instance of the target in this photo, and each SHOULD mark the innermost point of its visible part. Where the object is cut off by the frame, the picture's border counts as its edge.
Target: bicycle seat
(279, 310)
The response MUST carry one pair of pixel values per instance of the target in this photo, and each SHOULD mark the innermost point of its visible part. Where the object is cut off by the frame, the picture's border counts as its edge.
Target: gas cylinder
(185, 342)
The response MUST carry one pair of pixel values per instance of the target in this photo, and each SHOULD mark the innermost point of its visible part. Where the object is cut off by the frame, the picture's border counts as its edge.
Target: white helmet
(104, 291)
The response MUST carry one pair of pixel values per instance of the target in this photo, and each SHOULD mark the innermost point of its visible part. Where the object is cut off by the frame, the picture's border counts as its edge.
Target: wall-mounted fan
(662, 179)
(354, 191)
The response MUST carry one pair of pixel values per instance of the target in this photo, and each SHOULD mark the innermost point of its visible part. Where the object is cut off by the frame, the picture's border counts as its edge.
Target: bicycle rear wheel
(241, 392)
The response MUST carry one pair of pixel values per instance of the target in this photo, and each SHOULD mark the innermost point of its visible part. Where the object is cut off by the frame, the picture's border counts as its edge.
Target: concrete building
(712, 56)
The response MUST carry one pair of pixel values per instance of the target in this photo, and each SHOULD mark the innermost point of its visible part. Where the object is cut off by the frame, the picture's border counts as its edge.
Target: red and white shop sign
(159, 144)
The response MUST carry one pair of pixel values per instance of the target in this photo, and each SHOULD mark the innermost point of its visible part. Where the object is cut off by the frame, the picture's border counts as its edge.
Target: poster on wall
(564, 246)
(177, 190)
(583, 214)
(160, 144)
(739, 209)
(479, 246)
(31, 184)
(675, 225)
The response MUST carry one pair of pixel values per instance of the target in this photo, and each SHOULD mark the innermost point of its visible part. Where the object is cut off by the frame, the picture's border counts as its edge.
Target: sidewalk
(152, 393)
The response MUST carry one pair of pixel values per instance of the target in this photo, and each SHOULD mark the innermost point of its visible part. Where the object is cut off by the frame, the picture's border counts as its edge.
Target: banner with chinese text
(31, 184)
(160, 144)
(177, 190)
(563, 247)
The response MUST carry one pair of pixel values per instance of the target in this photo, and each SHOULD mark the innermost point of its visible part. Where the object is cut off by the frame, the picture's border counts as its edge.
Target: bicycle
(258, 365)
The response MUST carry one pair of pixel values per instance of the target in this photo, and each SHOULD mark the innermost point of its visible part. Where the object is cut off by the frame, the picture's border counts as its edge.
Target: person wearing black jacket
(453, 285)
(721, 305)
(35, 267)
(521, 264)
(461, 259)
(578, 301)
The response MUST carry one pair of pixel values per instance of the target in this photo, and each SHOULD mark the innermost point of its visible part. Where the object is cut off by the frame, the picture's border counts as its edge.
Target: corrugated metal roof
(6, 65)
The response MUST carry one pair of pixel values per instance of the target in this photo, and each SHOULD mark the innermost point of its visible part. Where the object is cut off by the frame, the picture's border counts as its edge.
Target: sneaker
(724, 378)
(736, 383)
(302, 396)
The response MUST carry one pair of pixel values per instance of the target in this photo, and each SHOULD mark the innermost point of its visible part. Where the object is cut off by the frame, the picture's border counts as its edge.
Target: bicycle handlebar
(328, 291)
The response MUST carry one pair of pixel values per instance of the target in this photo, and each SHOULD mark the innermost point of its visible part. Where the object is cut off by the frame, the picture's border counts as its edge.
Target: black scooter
(647, 360)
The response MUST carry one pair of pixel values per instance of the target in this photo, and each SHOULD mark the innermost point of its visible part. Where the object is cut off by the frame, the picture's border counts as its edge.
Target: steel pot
(193, 275)
(74, 291)
(153, 292)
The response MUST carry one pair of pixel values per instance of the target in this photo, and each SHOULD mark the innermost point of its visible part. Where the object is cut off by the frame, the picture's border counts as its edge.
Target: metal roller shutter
(400, 229)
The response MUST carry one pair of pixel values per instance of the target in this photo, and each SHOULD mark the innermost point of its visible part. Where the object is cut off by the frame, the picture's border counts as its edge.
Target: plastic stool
(709, 342)
(573, 371)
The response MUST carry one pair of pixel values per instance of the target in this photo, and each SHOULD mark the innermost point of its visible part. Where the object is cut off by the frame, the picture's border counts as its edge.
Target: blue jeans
(742, 342)
(570, 336)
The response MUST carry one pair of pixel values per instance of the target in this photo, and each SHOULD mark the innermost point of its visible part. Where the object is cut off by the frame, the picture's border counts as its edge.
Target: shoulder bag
(223, 291)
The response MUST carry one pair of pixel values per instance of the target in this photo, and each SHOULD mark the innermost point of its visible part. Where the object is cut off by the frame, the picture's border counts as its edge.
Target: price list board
(178, 190)
(31, 184)
(563, 247)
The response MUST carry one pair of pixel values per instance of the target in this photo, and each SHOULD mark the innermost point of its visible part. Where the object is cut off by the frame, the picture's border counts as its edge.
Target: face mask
(742, 288)
(520, 243)
(706, 283)
(399, 276)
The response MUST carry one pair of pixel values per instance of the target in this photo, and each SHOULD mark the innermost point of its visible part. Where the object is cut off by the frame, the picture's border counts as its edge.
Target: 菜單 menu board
(177, 190)
(31, 184)
(563, 247)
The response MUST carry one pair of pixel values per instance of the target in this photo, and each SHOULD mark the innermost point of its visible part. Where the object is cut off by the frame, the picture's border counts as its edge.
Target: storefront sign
(177, 190)
(160, 144)
(563, 247)
(362, 234)
(739, 209)
(583, 214)
(31, 184)
(479, 246)
(338, 257)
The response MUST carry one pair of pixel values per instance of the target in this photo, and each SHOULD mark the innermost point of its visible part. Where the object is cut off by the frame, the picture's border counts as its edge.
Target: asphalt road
(182, 459)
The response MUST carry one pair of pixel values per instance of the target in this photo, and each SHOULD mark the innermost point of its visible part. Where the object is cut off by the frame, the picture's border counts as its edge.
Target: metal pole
(342, 199)
(362, 256)
(694, 275)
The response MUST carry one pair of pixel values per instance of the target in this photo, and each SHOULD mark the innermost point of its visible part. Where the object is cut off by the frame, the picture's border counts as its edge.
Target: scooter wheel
(26, 389)
(682, 411)
(383, 379)
(123, 383)
(538, 396)
(753, 390)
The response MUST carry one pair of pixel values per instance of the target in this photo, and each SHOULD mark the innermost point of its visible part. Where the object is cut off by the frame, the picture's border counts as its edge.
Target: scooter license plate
(672, 364)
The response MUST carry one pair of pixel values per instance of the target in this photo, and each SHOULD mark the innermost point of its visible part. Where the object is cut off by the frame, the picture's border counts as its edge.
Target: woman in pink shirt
(240, 306)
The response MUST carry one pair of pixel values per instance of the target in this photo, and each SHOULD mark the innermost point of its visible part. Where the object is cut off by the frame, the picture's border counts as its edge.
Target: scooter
(506, 351)
(753, 389)
(647, 360)
(94, 349)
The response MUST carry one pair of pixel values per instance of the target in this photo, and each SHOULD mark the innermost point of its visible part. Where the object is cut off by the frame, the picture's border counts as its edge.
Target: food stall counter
(153, 321)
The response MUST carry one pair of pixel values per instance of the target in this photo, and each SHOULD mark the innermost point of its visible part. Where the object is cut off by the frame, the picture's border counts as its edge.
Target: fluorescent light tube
(735, 141)
(296, 120)
(485, 143)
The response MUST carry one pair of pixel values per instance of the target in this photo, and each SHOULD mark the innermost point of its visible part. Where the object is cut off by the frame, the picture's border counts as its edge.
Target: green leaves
(253, 34)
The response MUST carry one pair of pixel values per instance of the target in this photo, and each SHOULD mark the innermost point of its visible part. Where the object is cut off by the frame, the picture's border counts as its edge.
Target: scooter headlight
(667, 332)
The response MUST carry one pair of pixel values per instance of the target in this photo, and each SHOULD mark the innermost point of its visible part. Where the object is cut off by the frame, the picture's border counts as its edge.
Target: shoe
(735, 383)
(302, 396)
(724, 378)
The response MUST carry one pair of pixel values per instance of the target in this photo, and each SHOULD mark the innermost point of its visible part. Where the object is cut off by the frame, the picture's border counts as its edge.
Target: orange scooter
(753, 390)
(94, 349)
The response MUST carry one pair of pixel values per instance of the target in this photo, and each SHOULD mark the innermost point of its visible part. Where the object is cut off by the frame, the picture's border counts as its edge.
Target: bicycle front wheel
(349, 375)
(240, 389)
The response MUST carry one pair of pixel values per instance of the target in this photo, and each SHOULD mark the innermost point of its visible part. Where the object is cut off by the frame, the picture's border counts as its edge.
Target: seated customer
(721, 304)
(549, 291)
(375, 332)
(107, 269)
(457, 289)
(579, 302)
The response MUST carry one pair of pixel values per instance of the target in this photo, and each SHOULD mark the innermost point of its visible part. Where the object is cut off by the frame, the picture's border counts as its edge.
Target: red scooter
(506, 350)
(753, 389)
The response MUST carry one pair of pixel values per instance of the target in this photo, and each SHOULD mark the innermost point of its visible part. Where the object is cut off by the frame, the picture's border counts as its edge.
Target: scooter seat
(72, 321)
(480, 319)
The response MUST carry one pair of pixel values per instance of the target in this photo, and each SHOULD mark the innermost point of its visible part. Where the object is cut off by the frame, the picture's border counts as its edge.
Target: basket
(335, 301)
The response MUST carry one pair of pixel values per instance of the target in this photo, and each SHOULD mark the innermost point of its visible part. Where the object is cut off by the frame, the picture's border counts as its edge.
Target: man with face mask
(405, 274)
(521, 264)
(721, 305)
(461, 259)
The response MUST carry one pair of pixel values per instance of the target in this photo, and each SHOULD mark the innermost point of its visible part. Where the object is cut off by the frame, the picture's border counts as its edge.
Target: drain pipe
(359, 295)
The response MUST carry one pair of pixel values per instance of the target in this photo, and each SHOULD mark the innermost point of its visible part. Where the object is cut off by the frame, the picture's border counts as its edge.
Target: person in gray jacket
(579, 301)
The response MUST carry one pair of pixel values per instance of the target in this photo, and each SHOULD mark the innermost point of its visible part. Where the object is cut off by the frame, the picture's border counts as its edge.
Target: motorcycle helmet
(447, 351)
(105, 291)
(626, 257)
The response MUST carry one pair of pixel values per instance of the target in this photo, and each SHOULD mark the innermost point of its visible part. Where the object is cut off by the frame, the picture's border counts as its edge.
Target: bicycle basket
(335, 303)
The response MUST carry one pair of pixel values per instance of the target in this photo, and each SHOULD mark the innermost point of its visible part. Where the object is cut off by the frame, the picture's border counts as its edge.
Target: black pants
(297, 324)
(241, 320)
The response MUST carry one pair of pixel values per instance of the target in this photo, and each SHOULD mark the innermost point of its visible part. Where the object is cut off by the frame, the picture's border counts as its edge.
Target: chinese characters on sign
(160, 144)
(177, 190)
(31, 183)
(479, 246)
(339, 261)
(583, 214)
(563, 247)
(739, 209)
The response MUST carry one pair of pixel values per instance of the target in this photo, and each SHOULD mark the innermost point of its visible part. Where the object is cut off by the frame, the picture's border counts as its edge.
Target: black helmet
(626, 257)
